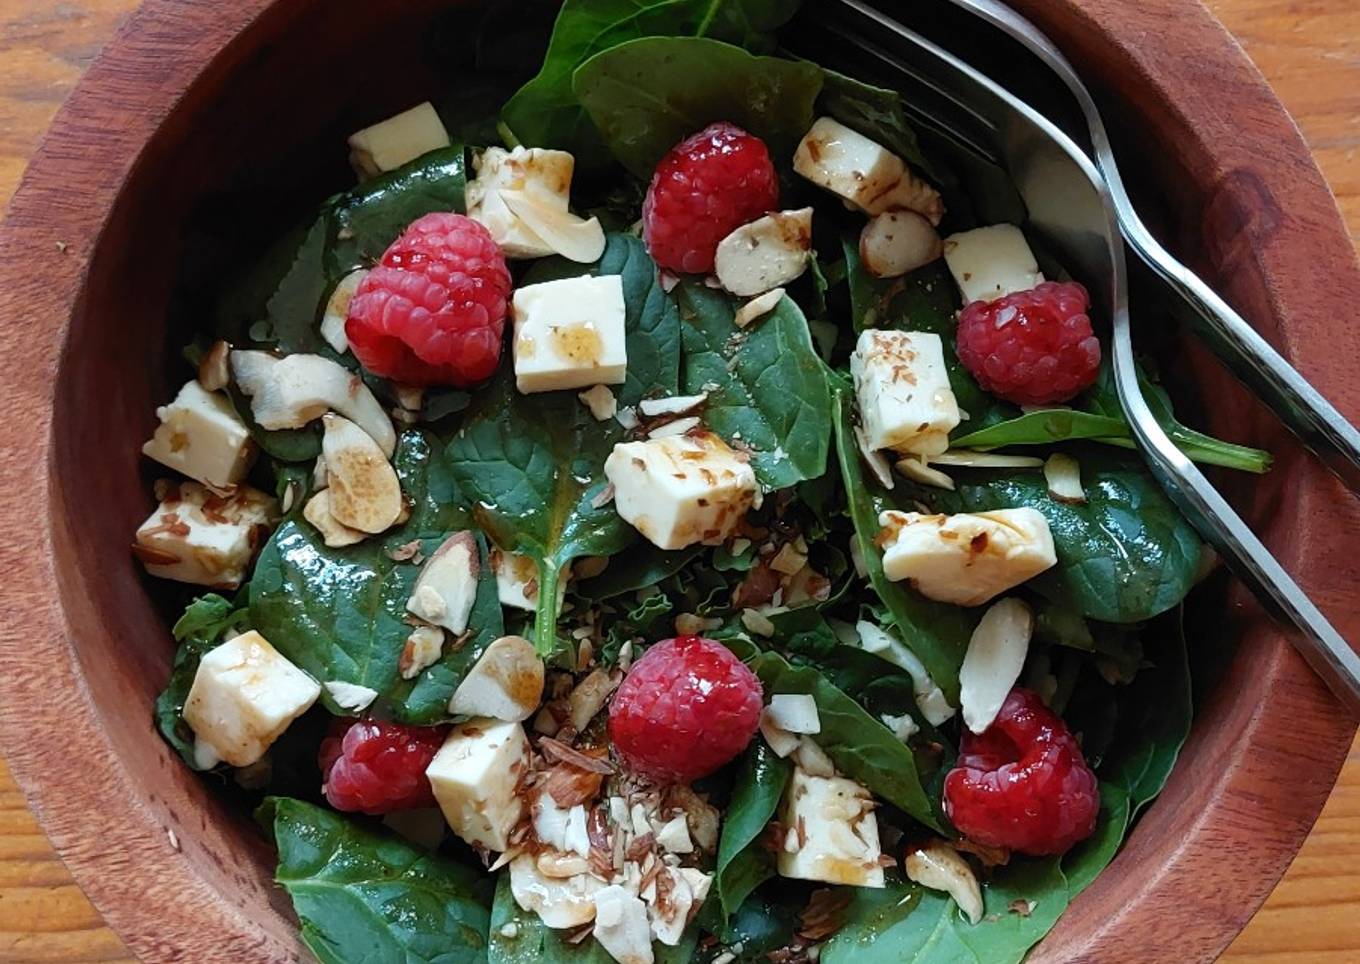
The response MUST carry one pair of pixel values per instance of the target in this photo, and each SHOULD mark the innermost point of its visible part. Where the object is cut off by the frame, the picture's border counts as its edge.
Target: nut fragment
(939, 867)
(996, 654)
(758, 307)
(767, 253)
(505, 684)
(589, 696)
(1063, 475)
(447, 586)
(895, 243)
(365, 493)
(214, 371)
(422, 650)
(334, 533)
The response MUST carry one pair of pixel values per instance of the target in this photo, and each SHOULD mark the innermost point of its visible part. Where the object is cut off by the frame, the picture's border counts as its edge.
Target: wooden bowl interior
(259, 137)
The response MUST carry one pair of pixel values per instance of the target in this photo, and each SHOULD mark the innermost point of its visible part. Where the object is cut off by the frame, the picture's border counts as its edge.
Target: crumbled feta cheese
(794, 712)
(766, 253)
(990, 262)
(902, 386)
(201, 436)
(996, 654)
(570, 334)
(243, 697)
(863, 172)
(337, 311)
(474, 776)
(389, 144)
(601, 402)
(968, 558)
(506, 682)
(681, 490)
(903, 727)
(837, 834)
(350, 697)
(198, 537)
(673, 837)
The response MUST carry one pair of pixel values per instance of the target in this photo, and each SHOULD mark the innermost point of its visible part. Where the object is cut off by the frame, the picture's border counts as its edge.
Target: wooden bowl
(216, 111)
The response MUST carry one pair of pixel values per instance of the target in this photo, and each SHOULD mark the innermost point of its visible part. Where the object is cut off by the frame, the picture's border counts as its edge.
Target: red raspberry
(709, 185)
(685, 708)
(433, 311)
(374, 767)
(1022, 783)
(1033, 347)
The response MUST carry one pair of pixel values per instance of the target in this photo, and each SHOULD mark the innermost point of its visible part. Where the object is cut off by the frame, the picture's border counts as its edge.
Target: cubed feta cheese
(836, 833)
(863, 172)
(990, 262)
(243, 697)
(474, 776)
(198, 537)
(905, 402)
(389, 144)
(201, 436)
(968, 558)
(681, 489)
(570, 334)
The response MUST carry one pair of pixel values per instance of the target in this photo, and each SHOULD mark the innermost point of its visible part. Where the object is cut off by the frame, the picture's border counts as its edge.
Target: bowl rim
(144, 74)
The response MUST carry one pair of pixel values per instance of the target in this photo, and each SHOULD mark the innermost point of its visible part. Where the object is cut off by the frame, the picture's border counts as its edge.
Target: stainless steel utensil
(1072, 207)
(1249, 356)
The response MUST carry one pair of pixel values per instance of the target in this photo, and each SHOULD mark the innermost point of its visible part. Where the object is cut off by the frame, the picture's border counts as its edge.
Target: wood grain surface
(1310, 51)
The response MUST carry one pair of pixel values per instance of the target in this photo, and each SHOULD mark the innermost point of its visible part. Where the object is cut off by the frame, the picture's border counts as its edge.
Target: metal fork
(1071, 206)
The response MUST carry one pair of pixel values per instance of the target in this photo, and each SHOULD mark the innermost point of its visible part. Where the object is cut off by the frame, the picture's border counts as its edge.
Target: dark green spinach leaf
(206, 620)
(647, 95)
(875, 112)
(743, 864)
(767, 388)
(364, 896)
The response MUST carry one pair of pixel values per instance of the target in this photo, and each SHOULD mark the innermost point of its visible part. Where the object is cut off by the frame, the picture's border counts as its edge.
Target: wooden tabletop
(1309, 50)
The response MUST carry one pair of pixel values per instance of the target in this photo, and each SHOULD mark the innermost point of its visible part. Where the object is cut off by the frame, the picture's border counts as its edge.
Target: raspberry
(1022, 783)
(1033, 347)
(685, 708)
(433, 311)
(709, 185)
(374, 767)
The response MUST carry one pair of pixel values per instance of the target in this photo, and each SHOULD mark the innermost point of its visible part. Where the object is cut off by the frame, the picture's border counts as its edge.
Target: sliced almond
(574, 238)
(422, 650)
(758, 307)
(621, 926)
(939, 867)
(1063, 475)
(561, 904)
(506, 683)
(812, 759)
(365, 493)
(769, 252)
(895, 243)
(918, 471)
(589, 697)
(335, 534)
(601, 402)
(293, 391)
(672, 404)
(876, 461)
(794, 712)
(678, 427)
(992, 664)
(337, 311)
(350, 696)
(214, 371)
(781, 741)
(447, 586)
(968, 458)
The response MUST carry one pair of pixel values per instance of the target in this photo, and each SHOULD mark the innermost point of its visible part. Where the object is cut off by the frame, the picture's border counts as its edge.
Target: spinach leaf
(861, 747)
(637, 567)
(875, 112)
(533, 465)
(1084, 862)
(364, 896)
(534, 943)
(743, 864)
(287, 289)
(766, 386)
(647, 95)
(545, 111)
(1124, 555)
(340, 614)
(937, 633)
(206, 620)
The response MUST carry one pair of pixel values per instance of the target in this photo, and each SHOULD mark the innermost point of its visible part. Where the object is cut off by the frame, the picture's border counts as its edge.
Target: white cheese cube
(679, 490)
(545, 174)
(570, 334)
(836, 833)
(198, 537)
(905, 402)
(243, 697)
(864, 173)
(201, 436)
(968, 558)
(474, 776)
(398, 140)
(337, 311)
(988, 263)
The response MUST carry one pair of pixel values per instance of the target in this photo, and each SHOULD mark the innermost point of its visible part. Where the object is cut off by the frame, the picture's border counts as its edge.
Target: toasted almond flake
(758, 307)
(918, 471)
(968, 458)
(671, 405)
(601, 402)
(757, 622)
(1063, 475)
(214, 371)
(996, 654)
(938, 866)
(678, 427)
(603, 497)
(788, 560)
(876, 461)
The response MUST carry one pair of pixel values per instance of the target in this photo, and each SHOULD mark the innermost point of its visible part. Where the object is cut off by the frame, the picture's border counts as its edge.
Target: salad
(669, 509)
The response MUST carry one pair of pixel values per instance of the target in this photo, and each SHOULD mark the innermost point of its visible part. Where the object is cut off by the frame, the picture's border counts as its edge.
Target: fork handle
(1298, 405)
